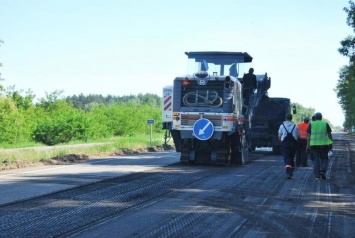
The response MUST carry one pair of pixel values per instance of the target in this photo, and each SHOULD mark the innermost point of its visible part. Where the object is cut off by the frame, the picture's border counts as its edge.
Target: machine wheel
(184, 156)
(185, 151)
(192, 158)
(223, 156)
(253, 148)
(245, 150)
(214, 156)
(236, 149)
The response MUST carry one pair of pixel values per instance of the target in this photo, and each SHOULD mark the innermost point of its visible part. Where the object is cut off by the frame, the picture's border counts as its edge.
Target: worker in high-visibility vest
(319, 138)
(301, 155)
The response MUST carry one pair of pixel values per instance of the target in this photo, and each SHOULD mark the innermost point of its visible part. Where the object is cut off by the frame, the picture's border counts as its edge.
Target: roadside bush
(53, 120)
(15, 126)
(124, 119)
(104, 121)
(62, 126)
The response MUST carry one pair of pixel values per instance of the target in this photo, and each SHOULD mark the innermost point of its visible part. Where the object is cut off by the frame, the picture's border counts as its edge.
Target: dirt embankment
(77, 158)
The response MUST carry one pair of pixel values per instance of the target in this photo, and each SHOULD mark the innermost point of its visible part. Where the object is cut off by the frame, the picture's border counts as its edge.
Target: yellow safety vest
(319, 134)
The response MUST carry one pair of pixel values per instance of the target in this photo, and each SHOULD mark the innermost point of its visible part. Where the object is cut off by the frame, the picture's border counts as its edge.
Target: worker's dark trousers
(301, 155)
(247, 95)
(288, 153)
(320, 159)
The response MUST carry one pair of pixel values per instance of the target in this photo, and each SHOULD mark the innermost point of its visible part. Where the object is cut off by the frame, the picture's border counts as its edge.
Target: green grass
(20, 145)
(29, 154)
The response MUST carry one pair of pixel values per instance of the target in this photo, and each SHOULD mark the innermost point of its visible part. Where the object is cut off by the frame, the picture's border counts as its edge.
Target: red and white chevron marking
(167, 102)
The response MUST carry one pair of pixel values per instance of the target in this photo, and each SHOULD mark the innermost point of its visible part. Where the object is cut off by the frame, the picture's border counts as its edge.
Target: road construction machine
(206, 113)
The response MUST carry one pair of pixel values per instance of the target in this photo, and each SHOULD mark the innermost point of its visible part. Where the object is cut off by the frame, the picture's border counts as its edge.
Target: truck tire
(253, 148)
(240, 149)
(235, 145)
(245, 150)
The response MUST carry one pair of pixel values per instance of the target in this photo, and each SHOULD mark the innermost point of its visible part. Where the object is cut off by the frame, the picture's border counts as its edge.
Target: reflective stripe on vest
(302, 127)
(319, 134)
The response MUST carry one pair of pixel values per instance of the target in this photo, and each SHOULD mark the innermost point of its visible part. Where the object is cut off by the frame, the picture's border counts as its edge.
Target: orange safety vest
(302, 127)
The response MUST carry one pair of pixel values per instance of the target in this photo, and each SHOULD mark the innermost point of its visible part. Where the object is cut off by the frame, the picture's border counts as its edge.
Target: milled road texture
(253, 200)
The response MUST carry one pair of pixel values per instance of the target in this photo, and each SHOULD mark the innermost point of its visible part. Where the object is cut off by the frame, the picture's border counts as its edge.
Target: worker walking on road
(288, 133)
(319, 137)
(301, 155)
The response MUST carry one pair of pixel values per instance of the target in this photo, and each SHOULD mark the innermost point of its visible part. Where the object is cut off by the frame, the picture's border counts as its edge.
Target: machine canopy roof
(220, 57)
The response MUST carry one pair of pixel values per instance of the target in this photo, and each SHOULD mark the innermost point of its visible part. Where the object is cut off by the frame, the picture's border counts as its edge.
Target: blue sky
(123, 47)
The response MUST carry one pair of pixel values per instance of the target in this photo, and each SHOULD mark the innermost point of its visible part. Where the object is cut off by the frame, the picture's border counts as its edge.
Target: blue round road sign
(203, 129)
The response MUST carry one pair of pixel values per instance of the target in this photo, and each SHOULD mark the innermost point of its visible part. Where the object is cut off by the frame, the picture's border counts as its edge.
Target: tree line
(90, 101)
(345, 87)
(55, 119)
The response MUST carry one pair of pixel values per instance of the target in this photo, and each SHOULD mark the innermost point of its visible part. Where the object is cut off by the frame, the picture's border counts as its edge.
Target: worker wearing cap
(301, 155)
(319, 137)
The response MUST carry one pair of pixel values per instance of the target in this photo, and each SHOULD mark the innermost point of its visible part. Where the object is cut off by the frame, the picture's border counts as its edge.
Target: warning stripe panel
(167, 99)
(167, 106)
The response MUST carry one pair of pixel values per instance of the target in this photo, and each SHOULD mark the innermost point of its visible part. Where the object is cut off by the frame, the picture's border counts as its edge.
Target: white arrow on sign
(202, 131)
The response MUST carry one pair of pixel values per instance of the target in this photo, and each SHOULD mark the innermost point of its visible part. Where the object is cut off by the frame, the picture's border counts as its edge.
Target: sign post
(150, 122)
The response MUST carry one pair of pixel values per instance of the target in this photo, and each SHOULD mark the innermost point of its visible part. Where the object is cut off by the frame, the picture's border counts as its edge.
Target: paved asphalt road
(156, 199)
(32, 182)
(21, 184)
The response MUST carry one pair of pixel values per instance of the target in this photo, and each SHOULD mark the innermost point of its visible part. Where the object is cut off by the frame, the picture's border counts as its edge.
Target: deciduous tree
(346, 83)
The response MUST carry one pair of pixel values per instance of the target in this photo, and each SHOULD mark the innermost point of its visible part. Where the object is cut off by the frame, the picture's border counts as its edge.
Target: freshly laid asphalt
(22, 184)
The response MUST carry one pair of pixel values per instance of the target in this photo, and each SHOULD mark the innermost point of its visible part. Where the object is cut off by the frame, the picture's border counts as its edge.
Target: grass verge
(75, 151)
